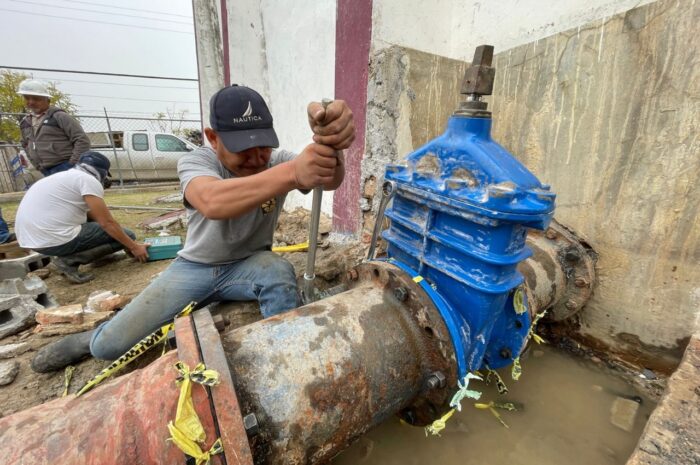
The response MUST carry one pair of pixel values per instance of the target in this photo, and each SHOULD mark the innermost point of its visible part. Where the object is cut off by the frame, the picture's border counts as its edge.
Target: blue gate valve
(459, 219)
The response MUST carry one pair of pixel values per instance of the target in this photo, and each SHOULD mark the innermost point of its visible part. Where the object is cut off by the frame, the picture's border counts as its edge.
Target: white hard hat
(33, 87)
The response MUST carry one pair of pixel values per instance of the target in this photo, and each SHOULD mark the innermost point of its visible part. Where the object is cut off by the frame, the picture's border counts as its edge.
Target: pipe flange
(568, 266)
(429, 330)
(198, 340)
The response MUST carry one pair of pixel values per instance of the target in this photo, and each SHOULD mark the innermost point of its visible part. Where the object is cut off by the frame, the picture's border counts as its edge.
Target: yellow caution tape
(531, 333)
(500, 384)
(292, 248)
(492, 406)
(464, 392)
(519, 301)
(187, 430)
(192, 449)
(67, 376)
(186, 419)
(517, 370)
(439, 424)
(136, 351)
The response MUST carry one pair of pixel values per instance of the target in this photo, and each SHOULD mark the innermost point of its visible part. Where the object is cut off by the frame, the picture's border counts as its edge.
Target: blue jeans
(65, 166)
(4, 230)
(91, 235)
(264, 276)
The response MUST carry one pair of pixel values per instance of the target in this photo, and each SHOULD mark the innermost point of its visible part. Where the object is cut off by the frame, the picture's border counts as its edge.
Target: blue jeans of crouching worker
(91, 235)
(264, 276)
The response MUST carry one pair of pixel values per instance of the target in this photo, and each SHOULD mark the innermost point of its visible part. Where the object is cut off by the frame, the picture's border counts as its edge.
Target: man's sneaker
(71, 271)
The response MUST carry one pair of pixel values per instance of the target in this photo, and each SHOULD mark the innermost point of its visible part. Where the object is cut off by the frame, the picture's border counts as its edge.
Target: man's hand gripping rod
(308, 294)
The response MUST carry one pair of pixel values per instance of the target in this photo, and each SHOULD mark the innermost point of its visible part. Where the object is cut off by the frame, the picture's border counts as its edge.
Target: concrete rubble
(19, 267)
(623, 413)
(13, 350)
(170, 198)
(105, 301)
(20, 300)
(8, 371)
(176, 218)
(69, 319)
(17, 313)
(70, 314)
(90, 320)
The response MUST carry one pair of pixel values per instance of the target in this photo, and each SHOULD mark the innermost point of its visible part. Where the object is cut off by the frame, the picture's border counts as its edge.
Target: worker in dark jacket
(52, 138)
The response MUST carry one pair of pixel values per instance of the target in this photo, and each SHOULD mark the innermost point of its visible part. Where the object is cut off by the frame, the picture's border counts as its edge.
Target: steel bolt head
(581, 282)
(401, 294)
(550, 234)
(436, 380)
(250, 423)
(506, 353)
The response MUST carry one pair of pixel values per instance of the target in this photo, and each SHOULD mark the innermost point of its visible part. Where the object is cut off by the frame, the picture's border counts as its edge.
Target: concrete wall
(453, 28)
(607, 113)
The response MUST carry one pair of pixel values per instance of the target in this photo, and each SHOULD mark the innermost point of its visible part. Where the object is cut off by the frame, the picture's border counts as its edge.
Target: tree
(171, 120)
(11, 102)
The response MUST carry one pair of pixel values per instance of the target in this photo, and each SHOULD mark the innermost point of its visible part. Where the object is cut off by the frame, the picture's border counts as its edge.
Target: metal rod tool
(308, 293)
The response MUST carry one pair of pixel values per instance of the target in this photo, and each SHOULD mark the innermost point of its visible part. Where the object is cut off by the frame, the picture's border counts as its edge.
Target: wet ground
(565, 418)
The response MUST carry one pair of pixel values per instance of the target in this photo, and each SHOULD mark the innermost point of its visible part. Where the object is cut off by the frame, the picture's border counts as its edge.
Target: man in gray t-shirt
(234, 192)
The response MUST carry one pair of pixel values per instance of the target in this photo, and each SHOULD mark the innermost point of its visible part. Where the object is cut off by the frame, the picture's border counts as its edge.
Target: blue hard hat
(97, 161)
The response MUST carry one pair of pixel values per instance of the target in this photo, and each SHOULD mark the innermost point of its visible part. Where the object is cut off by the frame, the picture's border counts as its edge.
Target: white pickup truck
(141, 155)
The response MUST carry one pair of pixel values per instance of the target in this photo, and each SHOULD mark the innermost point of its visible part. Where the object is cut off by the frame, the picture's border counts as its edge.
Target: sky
(154, 38)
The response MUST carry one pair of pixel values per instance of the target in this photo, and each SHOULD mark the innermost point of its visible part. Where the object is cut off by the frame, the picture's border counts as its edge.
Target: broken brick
(72, 314)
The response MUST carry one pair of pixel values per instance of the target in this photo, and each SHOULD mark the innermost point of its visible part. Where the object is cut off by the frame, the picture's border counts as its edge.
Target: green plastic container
(163, 248)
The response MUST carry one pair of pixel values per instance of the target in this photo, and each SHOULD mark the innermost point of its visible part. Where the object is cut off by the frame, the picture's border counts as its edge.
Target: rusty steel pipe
(320, 376)
(124, 421)
(120, 423)
(315, 379)
(560, 274)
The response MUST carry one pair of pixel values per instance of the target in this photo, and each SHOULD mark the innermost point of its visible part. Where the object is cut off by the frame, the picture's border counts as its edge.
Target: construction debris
(623, 413)
(105, 301)
(19, 267)
(170, 198)
(13, 350)
(12, 250)
(71, 314)
(90, 321)
(172, 219)
(293, 227)
(17, 312)
(8, 371)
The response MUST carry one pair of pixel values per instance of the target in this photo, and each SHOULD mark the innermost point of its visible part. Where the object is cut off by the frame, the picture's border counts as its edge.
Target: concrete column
(352, 45)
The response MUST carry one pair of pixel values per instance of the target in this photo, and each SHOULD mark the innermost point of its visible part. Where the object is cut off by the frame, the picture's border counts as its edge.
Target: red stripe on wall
(353, 35)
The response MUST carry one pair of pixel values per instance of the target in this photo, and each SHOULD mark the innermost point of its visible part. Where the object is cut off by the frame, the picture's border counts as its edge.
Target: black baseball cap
(240, 117)
(97, 161)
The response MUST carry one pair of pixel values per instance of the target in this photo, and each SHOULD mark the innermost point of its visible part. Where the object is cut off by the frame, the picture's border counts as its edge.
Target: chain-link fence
(140, 149)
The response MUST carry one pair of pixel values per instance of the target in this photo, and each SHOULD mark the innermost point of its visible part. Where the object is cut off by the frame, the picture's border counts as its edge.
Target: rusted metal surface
(560, 275)
(319, 376)
(122, 422)
(225, 403)
(188, 352)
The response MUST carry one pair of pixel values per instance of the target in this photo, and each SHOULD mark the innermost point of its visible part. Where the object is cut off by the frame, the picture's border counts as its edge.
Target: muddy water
(565, 419)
